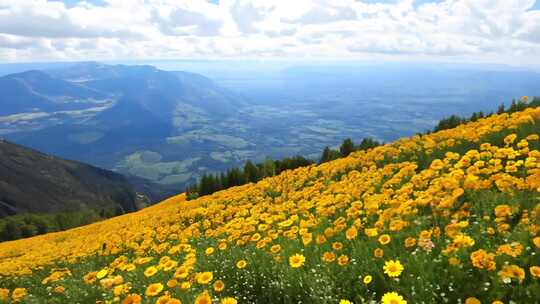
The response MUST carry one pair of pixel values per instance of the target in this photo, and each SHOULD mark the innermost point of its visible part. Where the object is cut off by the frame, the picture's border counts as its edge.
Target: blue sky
(485, 31)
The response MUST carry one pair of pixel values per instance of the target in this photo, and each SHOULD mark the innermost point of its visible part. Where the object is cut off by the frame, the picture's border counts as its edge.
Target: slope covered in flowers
(449, 217)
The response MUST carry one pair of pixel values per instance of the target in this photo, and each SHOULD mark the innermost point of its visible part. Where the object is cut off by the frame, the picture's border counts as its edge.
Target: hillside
(57, 184)
(448, 217)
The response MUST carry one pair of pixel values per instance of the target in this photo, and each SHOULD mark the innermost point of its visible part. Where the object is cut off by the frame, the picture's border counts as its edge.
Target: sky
(467, 31)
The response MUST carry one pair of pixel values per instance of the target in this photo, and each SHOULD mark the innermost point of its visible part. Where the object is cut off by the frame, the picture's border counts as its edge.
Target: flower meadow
(447, 217)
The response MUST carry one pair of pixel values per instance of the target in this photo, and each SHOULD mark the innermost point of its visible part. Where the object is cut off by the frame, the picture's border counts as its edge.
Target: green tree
(347, 147)
(368, 143)
(500, 109)
(12, 230)
(325, 156)
(269, 168)
(251, 172)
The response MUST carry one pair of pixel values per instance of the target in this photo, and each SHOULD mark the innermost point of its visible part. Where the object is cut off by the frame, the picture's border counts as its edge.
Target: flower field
(448, 217)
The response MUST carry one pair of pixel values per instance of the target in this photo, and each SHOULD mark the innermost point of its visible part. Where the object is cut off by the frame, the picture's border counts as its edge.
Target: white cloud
(504, 31)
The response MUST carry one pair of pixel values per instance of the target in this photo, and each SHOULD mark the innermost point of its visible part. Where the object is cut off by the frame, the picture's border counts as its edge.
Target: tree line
(516, 106)
(30, 224)
(254, 172)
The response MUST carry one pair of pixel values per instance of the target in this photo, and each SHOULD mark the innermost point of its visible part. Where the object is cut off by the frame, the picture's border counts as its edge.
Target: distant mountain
(34, 182)
(37, 91)
(104, 114)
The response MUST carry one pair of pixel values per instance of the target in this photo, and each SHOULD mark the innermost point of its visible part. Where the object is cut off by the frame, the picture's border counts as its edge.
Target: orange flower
(410, 242)
(472, 300)
(203, 298)
(343, 260)
(483, 260)
(132, 299)
(329, 257)
(351, 233)
(219, 285)
(535, 271)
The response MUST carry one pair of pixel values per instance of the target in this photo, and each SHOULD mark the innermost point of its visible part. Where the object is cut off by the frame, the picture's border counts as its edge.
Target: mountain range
(103, 114)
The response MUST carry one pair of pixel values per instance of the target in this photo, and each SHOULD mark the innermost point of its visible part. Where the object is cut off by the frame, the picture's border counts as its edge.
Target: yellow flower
(367, 279)
(437, 164)
(154, 289)
(181, 272)
(185, 285)
(241, 264)
(169, 265)
(59, 289)
(343, 301)
(371, 232)
(18, 294)
(535, 271)
(351, 233)
(503, 211)
(172, 283)
(410, 242)
(219, 285)
(164, 260)
(296, 260)
(508, 140)
(454, 261)
(536, 241)
(203, 298)
(275, 248)
(209, 250)
(4, 294)
(90, 277)
(384, 239)
(229, 300)
(222, 246)
(392, 298)
(204, 278)
(150, 271)
(163, 299)
(102, 273)
(393, 268)
(337, 245)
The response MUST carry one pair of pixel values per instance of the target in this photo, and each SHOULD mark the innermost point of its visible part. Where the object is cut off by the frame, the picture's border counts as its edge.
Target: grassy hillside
(449, 217)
